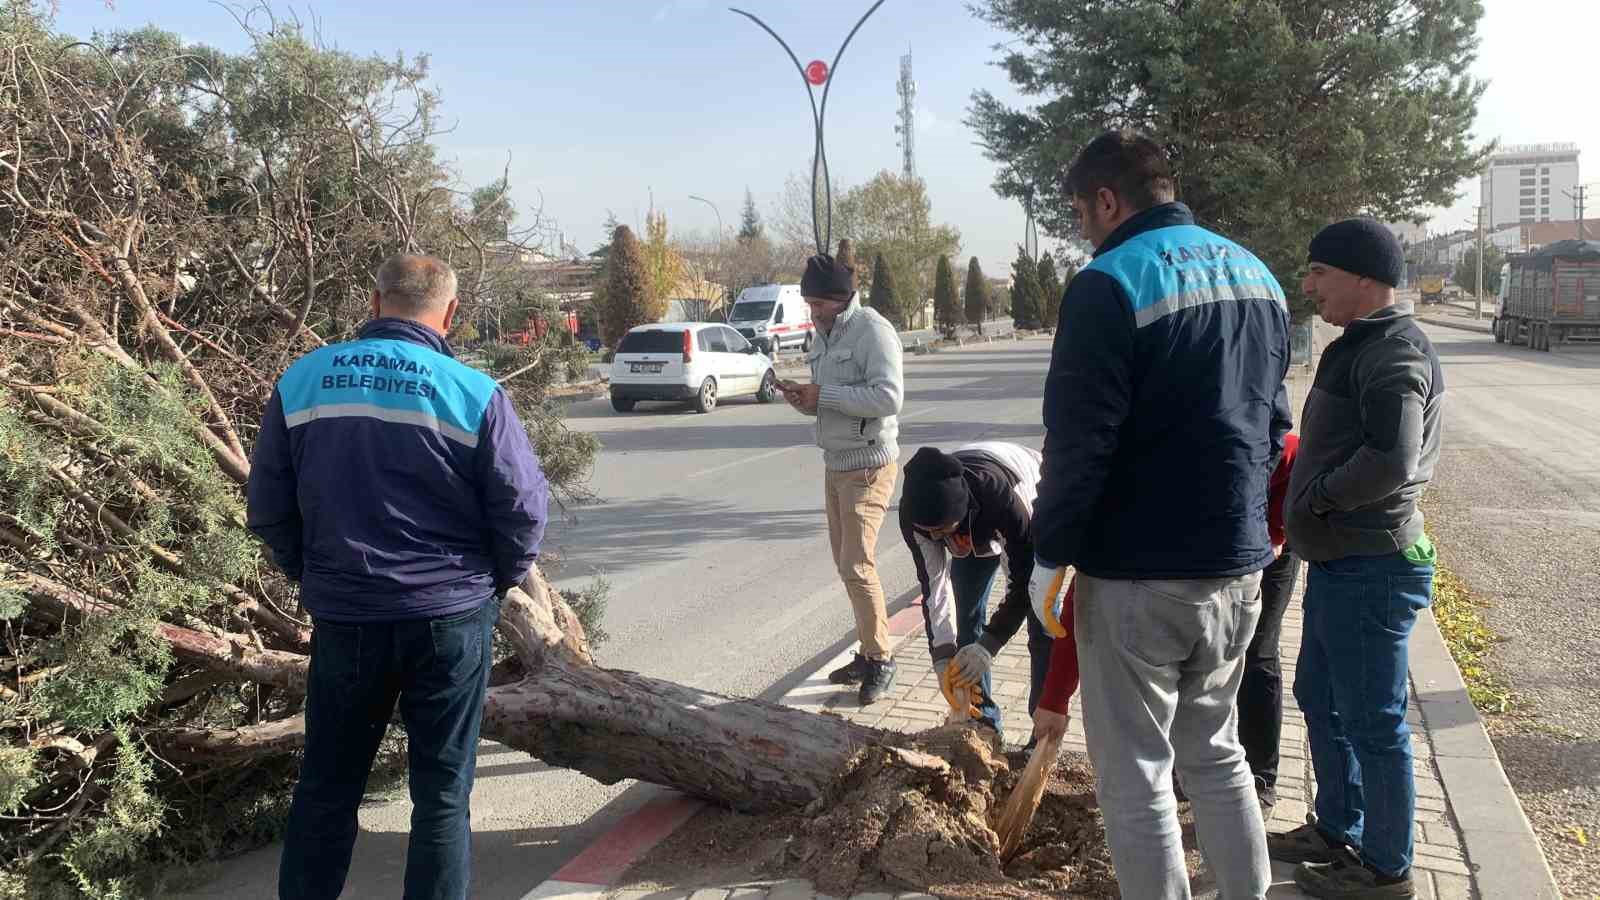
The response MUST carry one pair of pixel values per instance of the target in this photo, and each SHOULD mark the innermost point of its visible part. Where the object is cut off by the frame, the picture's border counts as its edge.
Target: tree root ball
(916, 816)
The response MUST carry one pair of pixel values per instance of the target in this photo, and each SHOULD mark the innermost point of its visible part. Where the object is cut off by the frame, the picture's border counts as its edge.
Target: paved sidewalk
(915, 703)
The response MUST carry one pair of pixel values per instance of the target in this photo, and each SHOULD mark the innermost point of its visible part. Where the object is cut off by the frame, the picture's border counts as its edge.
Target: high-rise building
(1530, 183)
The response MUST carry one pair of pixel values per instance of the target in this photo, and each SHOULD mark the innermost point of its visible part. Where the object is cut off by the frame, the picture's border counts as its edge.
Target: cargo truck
(1550, 296)
(1432, 288)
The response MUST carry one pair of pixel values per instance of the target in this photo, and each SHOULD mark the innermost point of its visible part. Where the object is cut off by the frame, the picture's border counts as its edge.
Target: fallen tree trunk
(613, 725)
(608, 724)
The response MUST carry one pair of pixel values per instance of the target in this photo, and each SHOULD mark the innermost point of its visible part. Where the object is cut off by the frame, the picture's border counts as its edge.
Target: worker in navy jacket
(399, 489)
(1164, 413)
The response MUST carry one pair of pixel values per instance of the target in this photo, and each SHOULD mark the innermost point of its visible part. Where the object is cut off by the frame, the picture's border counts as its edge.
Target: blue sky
(598, 104)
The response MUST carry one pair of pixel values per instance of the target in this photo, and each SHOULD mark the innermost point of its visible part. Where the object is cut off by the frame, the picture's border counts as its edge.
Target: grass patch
(1461, 622)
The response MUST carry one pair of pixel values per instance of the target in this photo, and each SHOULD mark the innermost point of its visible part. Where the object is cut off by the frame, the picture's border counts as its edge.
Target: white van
(773, 316)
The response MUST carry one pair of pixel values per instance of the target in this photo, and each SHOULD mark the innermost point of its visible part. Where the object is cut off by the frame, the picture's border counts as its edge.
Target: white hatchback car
(697, 362)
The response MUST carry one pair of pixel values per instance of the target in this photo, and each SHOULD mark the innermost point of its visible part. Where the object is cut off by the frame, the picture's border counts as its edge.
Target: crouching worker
(958, 512)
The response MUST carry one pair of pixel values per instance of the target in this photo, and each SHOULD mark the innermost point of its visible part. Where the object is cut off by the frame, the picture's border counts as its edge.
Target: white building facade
(1529, 183)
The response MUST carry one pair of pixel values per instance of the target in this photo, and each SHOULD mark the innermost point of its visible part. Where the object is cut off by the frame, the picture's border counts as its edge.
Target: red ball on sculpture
(816, 71)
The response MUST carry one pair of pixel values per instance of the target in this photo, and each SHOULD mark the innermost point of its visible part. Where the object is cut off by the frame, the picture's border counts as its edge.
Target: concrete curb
(577, 393)
(1501, 847)
(1459, 326)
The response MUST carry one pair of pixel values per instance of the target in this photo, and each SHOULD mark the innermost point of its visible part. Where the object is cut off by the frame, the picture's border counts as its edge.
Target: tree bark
(612, 725)
(233, 745)
(568, 712)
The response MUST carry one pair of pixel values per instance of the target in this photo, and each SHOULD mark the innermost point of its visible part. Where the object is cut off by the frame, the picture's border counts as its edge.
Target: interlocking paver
(1452, 887)
(1439, 869)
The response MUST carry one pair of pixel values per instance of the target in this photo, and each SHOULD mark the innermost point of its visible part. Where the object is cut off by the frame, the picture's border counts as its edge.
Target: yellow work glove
(1046, 588)
(956, 692)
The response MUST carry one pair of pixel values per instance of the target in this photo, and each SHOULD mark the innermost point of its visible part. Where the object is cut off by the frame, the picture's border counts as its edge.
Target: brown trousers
(856, 504)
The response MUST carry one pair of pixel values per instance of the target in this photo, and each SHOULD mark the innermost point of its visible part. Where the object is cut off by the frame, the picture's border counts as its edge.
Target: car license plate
(645, 368)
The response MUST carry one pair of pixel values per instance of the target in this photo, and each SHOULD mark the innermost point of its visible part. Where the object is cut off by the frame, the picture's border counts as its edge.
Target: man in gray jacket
(855, 392)
(1369, 438)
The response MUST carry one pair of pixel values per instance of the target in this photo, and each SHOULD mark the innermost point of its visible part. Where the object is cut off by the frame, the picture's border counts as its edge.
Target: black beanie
(1361, 246)
(936, 489)
(833, 278)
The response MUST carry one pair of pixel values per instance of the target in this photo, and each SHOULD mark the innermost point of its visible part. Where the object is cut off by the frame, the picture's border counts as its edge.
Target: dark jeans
(1351, 684)
(972, 579)
(1261, 691)
(437, 669)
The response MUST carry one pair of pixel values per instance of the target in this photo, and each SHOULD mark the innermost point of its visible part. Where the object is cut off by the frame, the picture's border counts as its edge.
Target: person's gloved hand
(972, 662)
(1045, 589)
(956, 693)
(1047, 724)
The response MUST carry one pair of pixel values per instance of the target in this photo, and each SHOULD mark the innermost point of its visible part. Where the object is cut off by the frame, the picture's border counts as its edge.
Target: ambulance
(773, 317)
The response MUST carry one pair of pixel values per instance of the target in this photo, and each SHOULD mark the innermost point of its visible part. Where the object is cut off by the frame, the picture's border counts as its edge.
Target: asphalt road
(709, 530)
(1515, 505)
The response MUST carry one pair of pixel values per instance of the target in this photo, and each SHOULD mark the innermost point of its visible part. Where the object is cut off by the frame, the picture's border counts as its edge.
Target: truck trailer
(1550, 296)
(1432, 288)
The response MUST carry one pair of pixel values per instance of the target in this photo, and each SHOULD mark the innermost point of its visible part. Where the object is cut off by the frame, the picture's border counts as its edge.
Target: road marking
(748, 459)
(771, 453)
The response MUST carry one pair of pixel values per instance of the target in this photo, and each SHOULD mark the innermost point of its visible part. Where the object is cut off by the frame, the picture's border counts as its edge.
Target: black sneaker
(877, 680)
(851, 672)
(1349, 879)
(1306, 844)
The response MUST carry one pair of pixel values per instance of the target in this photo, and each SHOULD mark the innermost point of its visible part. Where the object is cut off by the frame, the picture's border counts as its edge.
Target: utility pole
(1577, 194)
(1478, 313)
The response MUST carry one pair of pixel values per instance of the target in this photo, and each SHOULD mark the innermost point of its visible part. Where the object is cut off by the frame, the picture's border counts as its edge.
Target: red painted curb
(604, 861)
(906, 620)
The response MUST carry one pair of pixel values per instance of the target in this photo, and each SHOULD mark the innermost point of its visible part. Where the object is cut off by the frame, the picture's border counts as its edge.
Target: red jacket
(1278, 489)
(1062, 682)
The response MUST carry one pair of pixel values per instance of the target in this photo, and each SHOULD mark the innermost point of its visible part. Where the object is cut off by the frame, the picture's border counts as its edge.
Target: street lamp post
(817, 73)
(720, 238)
(713, 209)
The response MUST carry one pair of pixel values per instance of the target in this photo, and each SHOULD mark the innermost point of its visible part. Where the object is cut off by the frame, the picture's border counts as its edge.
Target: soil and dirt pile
(912, 817)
